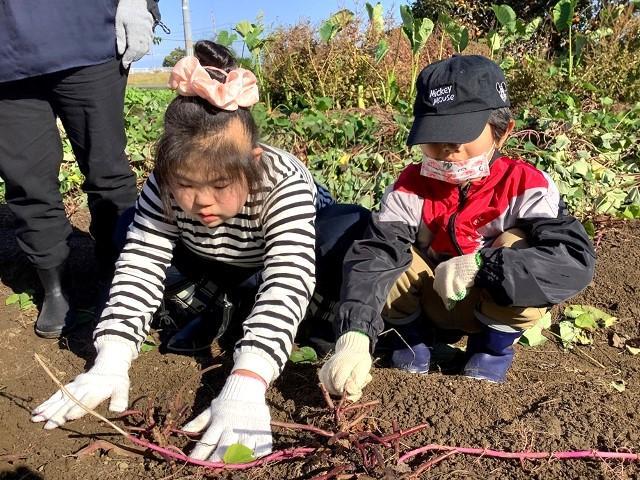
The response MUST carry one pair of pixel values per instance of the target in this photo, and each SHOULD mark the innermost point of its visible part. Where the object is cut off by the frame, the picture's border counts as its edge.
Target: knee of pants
(338, 226)
(403, 303)
(512, 238)
(495, 315)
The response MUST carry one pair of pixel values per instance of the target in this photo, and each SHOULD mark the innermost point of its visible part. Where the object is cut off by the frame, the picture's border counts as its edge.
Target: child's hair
(499, 121)
(201, 137)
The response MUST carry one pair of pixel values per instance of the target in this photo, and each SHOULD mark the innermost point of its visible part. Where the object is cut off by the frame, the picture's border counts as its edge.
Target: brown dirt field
(553, 400)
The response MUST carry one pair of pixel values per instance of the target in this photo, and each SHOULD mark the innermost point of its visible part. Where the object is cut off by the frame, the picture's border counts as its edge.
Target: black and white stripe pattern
(275, 229)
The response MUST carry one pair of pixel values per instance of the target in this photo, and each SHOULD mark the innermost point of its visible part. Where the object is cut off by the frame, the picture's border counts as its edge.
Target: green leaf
(376, 18)
(238, 453)
(407, 17)
(602, 319)
(532, 26)
(327, 31)
(567, 333)
(581, 168)
(422, 31)
(226, 38)
(590, 228)
(381, 49)
(304, 354)
(562, 14)
(562, 142)
(25, 300)
(11, 299)
(586, 321)
(342, 18)
(494, 41)
(533, 336)
(506, 16)
(244, 28)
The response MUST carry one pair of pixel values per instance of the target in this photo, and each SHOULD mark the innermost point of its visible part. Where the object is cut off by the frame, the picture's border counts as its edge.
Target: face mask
(457, 172)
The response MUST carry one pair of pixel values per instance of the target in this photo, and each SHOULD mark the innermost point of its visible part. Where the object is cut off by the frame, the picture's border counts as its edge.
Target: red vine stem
(279, 455)
(523, 455)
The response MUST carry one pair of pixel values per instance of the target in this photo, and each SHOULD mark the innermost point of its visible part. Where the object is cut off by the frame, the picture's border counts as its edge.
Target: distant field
(157, 79)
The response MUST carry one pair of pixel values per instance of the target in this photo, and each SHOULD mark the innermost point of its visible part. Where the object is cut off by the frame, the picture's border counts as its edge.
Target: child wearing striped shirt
(237, 209)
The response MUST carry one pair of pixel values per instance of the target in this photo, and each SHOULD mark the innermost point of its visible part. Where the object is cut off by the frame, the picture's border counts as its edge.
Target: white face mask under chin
(457, 172)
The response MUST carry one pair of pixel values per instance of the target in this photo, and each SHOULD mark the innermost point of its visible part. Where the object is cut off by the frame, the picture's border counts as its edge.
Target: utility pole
(186, 21)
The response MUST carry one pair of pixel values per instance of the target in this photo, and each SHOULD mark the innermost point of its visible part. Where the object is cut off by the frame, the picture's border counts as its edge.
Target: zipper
(451, 226)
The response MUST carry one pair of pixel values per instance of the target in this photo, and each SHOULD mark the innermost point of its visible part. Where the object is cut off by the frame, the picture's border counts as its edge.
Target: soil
(554, 400)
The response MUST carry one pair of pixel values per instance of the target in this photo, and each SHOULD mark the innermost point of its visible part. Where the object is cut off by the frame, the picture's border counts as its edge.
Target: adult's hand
(134, 30)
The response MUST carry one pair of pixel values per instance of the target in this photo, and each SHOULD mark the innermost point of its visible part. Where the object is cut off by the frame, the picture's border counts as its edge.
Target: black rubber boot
(55, 314)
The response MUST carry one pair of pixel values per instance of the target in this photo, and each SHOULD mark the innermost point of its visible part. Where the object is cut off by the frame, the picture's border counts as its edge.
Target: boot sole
(47, 334)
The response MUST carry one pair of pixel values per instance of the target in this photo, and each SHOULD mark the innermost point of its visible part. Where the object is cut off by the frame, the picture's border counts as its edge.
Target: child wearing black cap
(469, 240)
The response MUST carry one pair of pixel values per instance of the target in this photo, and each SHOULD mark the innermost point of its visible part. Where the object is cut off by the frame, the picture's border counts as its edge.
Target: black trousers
(89, 101)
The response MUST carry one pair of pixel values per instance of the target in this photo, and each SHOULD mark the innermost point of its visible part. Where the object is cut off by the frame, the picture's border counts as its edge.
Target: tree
(173, 57)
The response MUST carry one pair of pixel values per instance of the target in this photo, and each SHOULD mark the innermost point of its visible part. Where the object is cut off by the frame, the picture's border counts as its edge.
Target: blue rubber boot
(490, 354)
(409, 352)
(413, 360)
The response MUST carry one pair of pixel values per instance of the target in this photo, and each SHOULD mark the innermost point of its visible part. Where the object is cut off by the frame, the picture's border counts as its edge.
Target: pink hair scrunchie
(191, 79)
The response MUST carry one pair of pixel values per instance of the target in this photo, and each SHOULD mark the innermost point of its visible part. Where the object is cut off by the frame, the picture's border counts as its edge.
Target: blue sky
(211, 16)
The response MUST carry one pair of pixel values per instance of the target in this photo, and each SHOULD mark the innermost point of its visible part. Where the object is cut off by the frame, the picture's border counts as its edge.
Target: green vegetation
(339, 96)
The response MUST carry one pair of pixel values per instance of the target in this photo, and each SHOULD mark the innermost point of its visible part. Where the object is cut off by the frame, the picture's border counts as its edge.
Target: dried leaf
(618, 341)
(633, 350)
(619, 385)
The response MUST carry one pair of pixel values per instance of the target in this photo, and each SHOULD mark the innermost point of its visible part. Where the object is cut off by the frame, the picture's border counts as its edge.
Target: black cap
(455, 98)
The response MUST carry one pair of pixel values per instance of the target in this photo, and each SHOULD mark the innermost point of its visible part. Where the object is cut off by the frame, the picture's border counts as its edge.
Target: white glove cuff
(243, 388)
(355, 342)
(113, 357)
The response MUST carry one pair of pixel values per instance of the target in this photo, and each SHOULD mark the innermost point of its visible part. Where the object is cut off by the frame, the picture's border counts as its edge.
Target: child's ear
(507, 132)
(256, 153)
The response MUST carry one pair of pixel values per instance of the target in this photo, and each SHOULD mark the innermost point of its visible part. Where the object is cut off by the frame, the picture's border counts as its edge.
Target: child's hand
(347, 371)
(108, 378)
(239, 414)
(455, 277)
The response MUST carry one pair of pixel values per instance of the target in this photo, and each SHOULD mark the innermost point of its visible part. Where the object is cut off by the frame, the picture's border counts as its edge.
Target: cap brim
(457, 128)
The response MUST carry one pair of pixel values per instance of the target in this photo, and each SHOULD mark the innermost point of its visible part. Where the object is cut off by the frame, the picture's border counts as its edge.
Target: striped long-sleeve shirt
(273, 230)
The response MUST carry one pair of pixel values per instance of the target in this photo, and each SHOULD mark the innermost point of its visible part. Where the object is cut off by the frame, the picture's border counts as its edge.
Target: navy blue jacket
(45, 36)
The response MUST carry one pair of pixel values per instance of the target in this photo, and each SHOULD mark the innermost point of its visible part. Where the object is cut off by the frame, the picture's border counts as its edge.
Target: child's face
(453, 152)
(211, 201)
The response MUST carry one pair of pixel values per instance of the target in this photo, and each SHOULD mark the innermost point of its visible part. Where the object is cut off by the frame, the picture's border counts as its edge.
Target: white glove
(108, 378)
(134, 30)
(455, 277)
(239, 414)
(347, 371)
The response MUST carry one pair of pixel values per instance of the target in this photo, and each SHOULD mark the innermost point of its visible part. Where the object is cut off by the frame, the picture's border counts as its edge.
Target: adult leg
(30, 157)
(90, 103)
